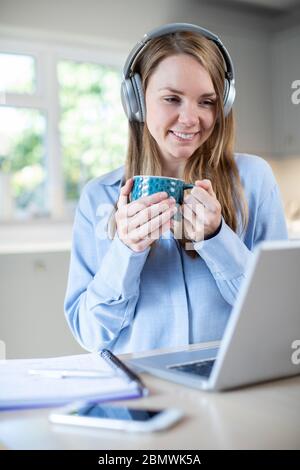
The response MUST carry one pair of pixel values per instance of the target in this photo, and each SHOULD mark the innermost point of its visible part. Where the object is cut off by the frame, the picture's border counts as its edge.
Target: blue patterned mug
(145, 185)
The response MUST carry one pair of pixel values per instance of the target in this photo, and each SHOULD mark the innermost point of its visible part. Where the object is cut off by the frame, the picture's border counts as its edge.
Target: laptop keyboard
(202, 368)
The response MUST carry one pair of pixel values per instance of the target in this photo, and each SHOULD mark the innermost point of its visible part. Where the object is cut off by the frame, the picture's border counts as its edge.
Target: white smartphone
(113, 417)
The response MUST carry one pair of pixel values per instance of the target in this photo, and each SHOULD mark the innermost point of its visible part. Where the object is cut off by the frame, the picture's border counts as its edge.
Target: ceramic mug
(145, 185)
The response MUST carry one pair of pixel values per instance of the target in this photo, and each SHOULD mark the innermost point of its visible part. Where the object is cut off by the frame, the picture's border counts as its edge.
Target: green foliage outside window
(22, 155)
(93, 127)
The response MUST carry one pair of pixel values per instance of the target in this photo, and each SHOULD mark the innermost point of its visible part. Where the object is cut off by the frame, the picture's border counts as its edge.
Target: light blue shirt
(127, 301)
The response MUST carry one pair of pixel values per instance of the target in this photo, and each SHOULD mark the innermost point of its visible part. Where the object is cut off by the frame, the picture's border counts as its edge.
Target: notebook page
(20, 389)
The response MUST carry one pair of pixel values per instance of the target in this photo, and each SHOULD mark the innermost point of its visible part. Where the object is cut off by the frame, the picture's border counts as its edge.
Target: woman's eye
(207, 103)
(172, 99)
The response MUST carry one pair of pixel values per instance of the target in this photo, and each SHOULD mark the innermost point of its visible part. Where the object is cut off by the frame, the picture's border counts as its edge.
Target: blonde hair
(214, 159)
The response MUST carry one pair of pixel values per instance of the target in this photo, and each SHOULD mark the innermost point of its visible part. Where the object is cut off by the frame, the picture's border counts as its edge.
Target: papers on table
(20, 389)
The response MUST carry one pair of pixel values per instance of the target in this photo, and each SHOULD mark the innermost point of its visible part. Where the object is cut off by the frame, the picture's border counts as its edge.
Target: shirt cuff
(121, 267)
(225, 254)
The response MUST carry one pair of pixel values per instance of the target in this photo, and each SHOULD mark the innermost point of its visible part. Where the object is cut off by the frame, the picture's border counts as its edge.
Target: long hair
(214, 159)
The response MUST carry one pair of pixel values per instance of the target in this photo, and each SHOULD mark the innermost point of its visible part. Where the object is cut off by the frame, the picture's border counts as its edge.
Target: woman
(145, 287)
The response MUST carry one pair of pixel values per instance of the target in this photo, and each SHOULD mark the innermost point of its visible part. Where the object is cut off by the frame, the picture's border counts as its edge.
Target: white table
(265, 416)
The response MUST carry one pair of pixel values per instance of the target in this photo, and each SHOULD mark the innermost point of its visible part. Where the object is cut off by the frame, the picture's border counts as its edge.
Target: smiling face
(181, 109)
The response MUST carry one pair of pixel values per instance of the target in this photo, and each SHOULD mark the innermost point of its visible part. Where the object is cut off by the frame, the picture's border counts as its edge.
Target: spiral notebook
(20, 389)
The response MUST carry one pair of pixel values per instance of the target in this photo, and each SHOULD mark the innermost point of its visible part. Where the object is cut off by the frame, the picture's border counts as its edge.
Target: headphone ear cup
(225, 97)
(228, 97)
(132, 97)
(140, 115)
(127, 98)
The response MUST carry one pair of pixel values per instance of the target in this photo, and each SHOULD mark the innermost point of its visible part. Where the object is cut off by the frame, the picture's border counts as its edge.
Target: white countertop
(35, 236)
(264, 416)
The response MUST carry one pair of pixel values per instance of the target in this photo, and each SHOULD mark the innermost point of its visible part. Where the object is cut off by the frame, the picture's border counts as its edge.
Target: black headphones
(132, 94)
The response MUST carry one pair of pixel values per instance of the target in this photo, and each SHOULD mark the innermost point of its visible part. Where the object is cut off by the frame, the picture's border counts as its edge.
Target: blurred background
(61, 124)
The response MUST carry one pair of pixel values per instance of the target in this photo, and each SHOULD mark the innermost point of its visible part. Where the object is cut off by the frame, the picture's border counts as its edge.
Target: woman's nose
(188, 115)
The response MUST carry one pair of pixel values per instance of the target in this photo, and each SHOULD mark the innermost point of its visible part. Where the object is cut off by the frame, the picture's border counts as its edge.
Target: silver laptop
(262, 338)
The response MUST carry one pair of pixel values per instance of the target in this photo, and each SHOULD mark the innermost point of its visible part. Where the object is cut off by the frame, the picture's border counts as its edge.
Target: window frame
(47, 54)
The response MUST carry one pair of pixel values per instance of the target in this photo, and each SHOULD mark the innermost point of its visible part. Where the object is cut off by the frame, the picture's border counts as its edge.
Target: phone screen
(117, 413)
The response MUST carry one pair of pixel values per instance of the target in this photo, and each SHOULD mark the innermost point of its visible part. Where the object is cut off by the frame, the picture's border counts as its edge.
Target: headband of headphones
(132, 94)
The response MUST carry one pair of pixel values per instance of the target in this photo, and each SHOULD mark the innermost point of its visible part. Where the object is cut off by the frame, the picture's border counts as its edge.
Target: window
(22, 157)
(61, 124)
(18, 73)
(22, 140)
(92, 124)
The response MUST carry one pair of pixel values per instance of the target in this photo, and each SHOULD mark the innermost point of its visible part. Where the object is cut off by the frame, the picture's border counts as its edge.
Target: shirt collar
(116, 176)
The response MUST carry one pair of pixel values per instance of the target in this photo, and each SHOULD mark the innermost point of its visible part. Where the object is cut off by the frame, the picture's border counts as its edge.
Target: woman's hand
(141, 222)
(201, 212)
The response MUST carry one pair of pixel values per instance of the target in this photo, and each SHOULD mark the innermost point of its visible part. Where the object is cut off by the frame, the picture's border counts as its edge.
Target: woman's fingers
(204, 193)
(206, 184)
(142, 244)
(142, 221)
(201, 211)
(149, 213)
(193, 211)
(189, 230)
(135, 207)
(152, 228)
(125, 191)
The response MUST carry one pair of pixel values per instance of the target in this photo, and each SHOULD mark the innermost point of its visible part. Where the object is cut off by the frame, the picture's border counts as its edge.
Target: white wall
(286, 114)
(123, 20)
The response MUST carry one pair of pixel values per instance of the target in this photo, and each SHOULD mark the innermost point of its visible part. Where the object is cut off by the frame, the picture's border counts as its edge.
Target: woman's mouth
(184, 136)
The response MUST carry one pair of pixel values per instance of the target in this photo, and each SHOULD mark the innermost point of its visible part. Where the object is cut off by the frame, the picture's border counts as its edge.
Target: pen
(121, 369)
(69, 373)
